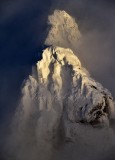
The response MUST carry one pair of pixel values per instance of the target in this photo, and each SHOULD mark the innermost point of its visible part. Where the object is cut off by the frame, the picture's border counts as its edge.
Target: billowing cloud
(63, 31)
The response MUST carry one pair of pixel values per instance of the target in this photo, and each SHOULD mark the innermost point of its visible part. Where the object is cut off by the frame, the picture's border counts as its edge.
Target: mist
(23, 29)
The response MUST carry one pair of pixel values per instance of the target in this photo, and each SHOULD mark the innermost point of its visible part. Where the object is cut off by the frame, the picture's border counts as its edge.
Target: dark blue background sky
(22, 32)
(23, 28)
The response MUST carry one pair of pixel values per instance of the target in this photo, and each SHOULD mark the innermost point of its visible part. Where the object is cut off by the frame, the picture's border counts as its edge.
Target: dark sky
(23, 28)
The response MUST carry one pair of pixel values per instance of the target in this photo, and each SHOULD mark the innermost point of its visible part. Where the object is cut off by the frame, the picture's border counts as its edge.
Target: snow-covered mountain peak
(64, 30)
(61, 103)
(61, 75)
